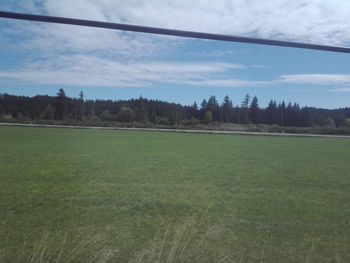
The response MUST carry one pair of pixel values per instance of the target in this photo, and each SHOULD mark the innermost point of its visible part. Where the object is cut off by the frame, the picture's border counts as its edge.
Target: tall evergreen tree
(203, 109)
(236, 115)
(60, 105)
(194, 112)
(227, 110)
(281, 111)
(81, 106)
(254, 112)
(213, 107)
(140, 110)
(271, 116)
(244, 111)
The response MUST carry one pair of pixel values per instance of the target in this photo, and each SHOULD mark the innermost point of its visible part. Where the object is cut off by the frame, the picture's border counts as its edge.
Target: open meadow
(78, 195)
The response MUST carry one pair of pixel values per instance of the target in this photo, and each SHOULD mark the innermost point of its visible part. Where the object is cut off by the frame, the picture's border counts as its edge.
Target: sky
(40, 58)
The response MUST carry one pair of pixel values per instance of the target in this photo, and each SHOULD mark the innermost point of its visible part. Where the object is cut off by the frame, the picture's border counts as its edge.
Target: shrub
(163, 121)
(329, 122)
(208, 117)
(125, 114)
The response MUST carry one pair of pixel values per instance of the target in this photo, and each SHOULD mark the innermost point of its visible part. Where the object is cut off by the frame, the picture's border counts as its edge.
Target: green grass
(70, 195)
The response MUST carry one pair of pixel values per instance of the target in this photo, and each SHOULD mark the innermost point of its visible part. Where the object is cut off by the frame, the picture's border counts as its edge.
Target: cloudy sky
(39, 58)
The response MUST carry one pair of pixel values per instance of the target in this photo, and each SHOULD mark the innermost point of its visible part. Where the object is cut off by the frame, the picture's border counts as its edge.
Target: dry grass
(185, 243)
(68, 249)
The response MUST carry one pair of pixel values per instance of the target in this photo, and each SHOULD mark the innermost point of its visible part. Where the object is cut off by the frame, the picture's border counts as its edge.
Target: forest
(155, 112)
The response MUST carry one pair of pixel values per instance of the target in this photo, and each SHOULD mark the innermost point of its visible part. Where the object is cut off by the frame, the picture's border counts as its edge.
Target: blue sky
(39, 58)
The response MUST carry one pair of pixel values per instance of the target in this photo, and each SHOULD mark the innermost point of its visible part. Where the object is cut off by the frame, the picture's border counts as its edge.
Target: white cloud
(226, 83)
(43, 40)
(83, 70)
(316, 79)
(301, 20)
(342, 90)
(95, 71)
(70, 55)
(323, 22)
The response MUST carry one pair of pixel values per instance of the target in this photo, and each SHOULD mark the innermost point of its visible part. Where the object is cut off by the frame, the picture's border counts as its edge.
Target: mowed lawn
(75, 195)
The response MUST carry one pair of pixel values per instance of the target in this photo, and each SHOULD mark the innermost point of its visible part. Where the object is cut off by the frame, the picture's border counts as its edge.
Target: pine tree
(271, 116)
(203, 109)
(194, 111)
(140, 110)
(227, 110)
(254, 112)
(281, 112)
(213, 107)
(60, 105)
(244, 112)
(81, 106)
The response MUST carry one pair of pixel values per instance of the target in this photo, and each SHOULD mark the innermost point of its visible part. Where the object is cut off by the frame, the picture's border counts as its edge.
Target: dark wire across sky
(170, 32)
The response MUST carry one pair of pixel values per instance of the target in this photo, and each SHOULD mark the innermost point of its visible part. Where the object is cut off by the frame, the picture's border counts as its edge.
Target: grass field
(70, 195)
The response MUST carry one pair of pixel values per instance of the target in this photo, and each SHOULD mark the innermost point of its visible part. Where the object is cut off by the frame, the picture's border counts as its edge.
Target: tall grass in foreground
(187, 243)
(51, 248)
(181, 243)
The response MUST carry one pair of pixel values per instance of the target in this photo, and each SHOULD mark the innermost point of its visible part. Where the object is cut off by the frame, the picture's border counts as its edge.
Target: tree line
(148, 111)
